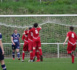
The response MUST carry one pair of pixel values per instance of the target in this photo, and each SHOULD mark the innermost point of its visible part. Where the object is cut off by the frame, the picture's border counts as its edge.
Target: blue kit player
(15, 39)
(2, 54)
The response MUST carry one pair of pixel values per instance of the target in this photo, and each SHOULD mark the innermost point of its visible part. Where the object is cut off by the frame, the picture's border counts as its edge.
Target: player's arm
(1, 45)
(23, 37)
(65, 40)
(19, 38)
(39, 28)
(12, 40)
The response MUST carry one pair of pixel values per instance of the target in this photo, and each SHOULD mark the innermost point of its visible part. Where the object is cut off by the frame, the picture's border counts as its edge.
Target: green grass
(34, 7)
(47, 64)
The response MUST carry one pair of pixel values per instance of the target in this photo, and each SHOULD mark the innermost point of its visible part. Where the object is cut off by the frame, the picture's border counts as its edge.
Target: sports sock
(23, 55)
(18, 54)
(31, 56)
(38, 56)
(3, 67)
(40, 51)
(13, 54)
(33, 53)
(72, 58)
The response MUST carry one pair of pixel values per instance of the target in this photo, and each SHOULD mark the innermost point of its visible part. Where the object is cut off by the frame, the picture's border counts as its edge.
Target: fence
(54, 50)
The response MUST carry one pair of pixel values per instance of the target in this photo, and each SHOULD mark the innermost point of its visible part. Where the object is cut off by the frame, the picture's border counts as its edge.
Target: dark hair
(71, 28)
(35, 25)
(30, 28)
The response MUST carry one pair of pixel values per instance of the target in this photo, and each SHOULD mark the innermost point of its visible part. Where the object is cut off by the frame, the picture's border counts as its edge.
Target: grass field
(34, 7)
(47, 64)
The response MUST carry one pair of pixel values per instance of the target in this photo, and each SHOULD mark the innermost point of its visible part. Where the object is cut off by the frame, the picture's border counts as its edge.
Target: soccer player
(36, 42)
(25, 46)
(71, 37)
(30, 45)
(15, 39)
(2, 54)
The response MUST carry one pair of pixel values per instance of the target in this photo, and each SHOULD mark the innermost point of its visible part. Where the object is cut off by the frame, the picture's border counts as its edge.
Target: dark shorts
(16, 46)
(1, 56)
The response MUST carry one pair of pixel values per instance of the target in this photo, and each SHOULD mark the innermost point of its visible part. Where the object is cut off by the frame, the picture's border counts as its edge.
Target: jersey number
(72, 35)
(36, 31)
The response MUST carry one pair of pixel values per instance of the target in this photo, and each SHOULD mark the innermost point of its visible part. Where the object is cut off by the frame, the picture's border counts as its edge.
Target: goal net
(53, 33)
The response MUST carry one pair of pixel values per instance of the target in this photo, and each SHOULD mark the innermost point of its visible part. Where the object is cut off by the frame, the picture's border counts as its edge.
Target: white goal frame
(42, 15)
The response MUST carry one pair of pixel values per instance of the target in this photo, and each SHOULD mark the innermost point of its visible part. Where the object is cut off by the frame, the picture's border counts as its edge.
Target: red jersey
(72, 37)
(30, 36)
(25, 36)
(35, 32)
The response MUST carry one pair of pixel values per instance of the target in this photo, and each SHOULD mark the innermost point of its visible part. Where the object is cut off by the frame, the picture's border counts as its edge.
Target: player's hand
(64, 44)
(2, 52)
(13, 43)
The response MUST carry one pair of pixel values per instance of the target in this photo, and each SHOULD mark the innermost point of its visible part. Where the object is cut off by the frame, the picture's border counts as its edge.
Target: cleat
(41, 58)
(72, 62)
(18, 58)
(22, 60)
(38, 60)
(34, 59)
(13, 58)
(30, 60)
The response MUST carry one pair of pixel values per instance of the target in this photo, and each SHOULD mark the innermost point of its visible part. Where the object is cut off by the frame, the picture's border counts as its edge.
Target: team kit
(32, 44)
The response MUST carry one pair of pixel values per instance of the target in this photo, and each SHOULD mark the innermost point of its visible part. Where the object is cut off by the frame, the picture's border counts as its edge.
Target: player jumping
(15, 39)
(2, 54)
(36, 42)
(25, 46)
(71, 37)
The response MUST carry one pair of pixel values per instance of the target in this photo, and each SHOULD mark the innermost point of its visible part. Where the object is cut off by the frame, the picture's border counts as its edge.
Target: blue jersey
(0, 36)
(15, 37)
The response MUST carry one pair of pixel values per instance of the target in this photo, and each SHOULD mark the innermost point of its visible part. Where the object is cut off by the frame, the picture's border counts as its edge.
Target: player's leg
(23, 52)
(25, 48)
(3, 64)
(23, 55)
(18, 50)
(13, 51)
(38, 56)
(2, 60)
(40, 50)
(30, 48)
(70, 52)
(73, 49)
(18, 53)
(34, 48)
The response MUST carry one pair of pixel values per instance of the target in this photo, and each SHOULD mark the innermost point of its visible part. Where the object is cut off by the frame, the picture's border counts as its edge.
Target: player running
(15, 39)
(36, 42)
(25, 46)
(71, 37)
(2, 54)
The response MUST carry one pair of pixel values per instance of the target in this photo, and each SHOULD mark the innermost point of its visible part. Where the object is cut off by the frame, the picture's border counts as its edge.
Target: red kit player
(25, 46)
(71, 37)
(36, 42)
(30, 44)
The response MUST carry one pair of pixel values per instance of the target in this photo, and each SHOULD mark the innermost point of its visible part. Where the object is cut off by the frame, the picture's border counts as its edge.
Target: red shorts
(25, 46)
(30, 45)
(71, 47)
(36, 42)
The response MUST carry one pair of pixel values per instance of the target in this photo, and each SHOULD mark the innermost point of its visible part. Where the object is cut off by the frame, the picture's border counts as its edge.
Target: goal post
(53, 33)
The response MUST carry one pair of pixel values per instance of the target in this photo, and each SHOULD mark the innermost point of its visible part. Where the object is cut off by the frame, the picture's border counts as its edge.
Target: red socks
(72, 58)
(23, 55)
(38, 56)
(31, 56)
(40, 50)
